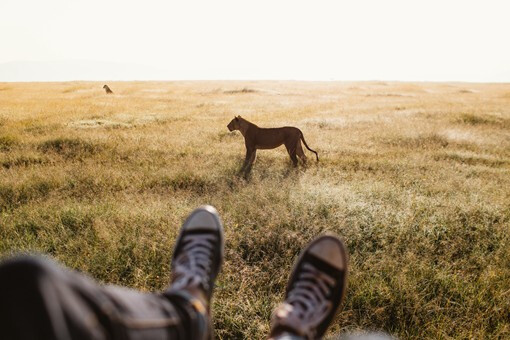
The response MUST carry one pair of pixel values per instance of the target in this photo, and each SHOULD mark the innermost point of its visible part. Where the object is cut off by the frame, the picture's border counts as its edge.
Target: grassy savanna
(414, 176)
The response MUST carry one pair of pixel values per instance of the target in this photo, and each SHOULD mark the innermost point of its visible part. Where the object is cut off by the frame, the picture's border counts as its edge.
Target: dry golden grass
(415, 178)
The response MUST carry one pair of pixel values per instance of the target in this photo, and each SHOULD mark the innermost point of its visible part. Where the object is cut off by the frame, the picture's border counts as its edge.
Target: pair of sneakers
(315, 289)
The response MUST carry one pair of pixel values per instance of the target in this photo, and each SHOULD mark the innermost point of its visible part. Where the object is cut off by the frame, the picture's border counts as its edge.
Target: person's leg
(314, 292)
(34, 298)
(38, 299)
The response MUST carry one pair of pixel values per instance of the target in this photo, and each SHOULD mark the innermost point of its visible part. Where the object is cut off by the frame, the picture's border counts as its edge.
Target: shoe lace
(309, 296)
(192, 267)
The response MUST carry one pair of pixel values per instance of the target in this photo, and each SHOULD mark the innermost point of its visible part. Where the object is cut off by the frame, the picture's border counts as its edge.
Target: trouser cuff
(196, 319)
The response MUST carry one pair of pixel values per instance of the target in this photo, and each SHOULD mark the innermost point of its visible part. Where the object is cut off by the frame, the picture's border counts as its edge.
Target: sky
(405, 40)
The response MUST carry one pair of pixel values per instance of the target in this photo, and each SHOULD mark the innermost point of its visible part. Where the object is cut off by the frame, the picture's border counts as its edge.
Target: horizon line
(260, 80)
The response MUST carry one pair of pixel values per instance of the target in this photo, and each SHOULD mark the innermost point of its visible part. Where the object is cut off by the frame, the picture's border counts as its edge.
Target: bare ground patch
(462, 136)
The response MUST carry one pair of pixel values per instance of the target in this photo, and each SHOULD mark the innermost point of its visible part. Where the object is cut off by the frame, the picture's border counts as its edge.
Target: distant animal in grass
(269, 138)
(107, 89)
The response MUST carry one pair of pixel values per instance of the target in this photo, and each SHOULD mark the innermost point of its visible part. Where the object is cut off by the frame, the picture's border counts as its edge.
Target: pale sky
(446, 40)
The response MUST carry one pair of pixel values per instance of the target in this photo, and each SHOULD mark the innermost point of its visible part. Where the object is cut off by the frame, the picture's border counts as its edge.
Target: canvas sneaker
(315, 290)
(198, 254)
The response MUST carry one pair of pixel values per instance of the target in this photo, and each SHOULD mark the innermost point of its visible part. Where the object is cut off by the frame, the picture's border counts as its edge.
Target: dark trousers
(41, 300)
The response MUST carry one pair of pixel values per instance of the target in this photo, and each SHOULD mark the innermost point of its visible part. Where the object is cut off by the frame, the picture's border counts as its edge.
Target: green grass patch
(473, 160)
(14, 195)
(7, 143)
(421, 141)
(74, 148)
(22, 161)
(476, 119)
(182, 181)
